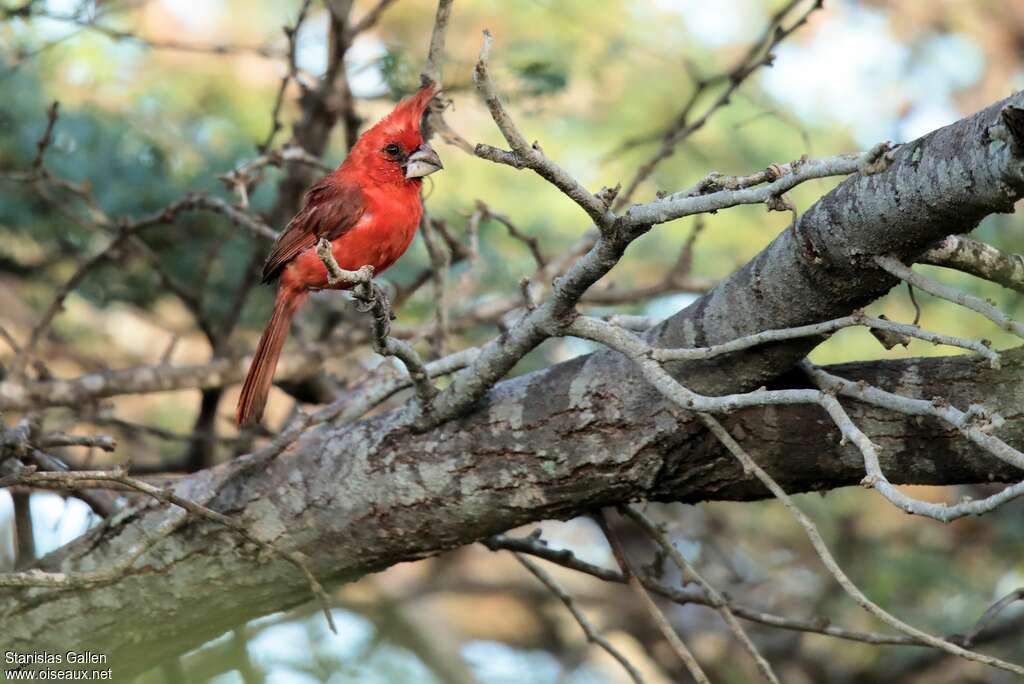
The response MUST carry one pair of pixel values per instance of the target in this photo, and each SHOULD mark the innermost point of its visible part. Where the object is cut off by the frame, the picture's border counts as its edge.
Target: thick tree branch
(515, 461)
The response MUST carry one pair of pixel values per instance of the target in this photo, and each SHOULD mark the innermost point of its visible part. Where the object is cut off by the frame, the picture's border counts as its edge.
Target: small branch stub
(371, 299)
(336, 275)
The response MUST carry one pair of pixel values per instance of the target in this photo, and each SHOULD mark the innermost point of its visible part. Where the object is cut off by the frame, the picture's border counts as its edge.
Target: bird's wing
(329, 210)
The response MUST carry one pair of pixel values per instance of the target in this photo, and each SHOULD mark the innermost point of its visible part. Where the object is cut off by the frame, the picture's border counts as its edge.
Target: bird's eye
(393, 149)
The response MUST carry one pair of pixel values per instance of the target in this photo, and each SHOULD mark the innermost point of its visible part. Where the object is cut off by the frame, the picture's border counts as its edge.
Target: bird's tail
(261, 371)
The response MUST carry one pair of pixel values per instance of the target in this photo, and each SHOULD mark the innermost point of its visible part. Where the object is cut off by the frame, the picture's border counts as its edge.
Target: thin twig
(593, 636)
(697, 201)
(440, 262)
(829, 561)
(905, 273)
(688, 570)
(531, 241)
(62, 439)
(677, 279)
(432, 73)
(44, 143)
(967, 641)
(56, 304)
(9, 339)
(525, 155)
(759, 55)
(660, 620)
(291, 33)
(533, 545)
(435, 54)
(265, 51)
(125, 230)
(370, 19)
(857, 318)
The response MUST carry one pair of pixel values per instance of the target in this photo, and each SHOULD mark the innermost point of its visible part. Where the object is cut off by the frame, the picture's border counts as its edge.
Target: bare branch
(827, 559)
(717, 599)
(686, 203)
(56, 304)
(979, 259)
(989, 615)
(525, 155)
(975, 424)
(24, 533)
(432, 72)
(440, 261)
(858, 318)
(370, 19)
(531, 241)
(35, 10)
(903, 272)
(9, 339)
(759, 55)
(660, 620)
(593, 636)
(62, 439)
(374, 301)
(534, 546)
(126, 230)
(44, 142)
(677, 279)
(291, 74)
(144, 379)
(687, 399)
(435, 55)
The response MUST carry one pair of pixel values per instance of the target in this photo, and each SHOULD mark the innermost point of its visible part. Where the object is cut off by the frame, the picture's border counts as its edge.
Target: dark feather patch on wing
(329, 210)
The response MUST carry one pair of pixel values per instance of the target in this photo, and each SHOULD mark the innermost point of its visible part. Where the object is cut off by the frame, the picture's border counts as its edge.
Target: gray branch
(979, 259)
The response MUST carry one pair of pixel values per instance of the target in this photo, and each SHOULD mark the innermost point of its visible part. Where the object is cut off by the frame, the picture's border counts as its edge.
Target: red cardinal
(369, 208)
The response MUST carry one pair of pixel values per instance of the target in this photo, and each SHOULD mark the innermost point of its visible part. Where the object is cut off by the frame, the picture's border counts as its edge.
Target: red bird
(369, 208)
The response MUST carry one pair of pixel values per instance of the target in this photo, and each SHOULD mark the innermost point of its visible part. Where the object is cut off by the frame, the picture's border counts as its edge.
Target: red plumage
(369, 208)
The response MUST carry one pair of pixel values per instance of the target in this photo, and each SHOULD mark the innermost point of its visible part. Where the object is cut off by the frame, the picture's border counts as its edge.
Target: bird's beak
(422, 162)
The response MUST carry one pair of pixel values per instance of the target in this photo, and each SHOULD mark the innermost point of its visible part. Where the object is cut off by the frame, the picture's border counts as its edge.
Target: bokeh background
(144, 121)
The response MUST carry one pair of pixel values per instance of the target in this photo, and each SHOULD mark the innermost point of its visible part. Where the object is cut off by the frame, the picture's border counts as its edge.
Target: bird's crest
(408, 113)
